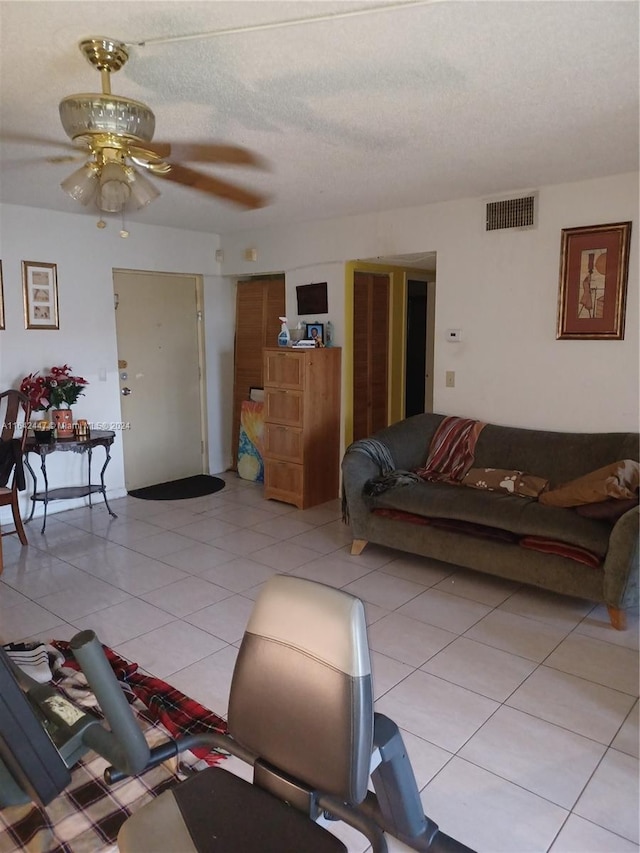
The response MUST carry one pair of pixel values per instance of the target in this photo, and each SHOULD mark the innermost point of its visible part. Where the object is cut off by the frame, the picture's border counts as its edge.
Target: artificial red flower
(58, 388)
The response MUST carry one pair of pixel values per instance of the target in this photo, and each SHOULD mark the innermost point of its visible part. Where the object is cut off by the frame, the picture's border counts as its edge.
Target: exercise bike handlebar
(124, 746)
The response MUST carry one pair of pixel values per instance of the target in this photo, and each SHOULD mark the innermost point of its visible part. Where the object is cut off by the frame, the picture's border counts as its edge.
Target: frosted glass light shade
(114, 190)
(85, 114)
(143, 191)
(82, 184)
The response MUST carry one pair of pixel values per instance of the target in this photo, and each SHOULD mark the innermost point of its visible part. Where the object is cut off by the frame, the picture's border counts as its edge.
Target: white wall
(500, 288)
(85, 257)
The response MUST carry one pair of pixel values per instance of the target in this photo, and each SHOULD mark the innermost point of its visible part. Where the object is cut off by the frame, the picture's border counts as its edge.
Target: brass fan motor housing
(104, 53)
(86, 117)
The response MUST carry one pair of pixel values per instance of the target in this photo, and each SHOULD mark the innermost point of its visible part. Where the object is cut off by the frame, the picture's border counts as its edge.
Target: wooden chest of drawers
(302, 425)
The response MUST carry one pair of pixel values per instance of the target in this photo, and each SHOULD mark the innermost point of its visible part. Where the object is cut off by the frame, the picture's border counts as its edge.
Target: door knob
(125, 392)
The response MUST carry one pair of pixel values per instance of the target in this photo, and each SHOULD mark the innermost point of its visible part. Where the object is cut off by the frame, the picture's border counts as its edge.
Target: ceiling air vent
(511, 213)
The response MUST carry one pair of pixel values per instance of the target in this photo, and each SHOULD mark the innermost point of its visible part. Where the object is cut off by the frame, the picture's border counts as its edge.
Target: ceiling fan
(118, 133)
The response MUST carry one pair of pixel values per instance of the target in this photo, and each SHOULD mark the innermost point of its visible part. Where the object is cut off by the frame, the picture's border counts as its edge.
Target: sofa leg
(358, 546)
(618, 617)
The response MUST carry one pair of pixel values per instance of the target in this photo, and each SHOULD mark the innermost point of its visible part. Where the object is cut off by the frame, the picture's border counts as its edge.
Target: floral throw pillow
(505, 480)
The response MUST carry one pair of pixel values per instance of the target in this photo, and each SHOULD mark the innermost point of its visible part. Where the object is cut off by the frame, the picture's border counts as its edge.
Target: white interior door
(158, 320)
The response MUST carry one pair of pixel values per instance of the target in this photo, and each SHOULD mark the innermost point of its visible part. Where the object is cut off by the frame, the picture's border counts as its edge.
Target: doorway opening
(415, 348)
(419, 348)
(409, 324)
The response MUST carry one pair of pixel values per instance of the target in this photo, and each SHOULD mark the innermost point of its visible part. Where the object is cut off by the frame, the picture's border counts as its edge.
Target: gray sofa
(455, 510)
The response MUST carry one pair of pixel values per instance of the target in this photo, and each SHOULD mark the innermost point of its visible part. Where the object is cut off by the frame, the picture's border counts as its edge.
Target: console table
(98, 438)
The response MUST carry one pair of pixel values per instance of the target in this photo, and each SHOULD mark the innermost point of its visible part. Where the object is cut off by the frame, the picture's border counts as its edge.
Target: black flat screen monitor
(312, 299)
(27, 754)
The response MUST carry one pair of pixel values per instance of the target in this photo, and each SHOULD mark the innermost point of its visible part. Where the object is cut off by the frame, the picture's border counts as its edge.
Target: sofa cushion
(468, 527)
(617, 480)
(534, 543)
(561, 457)
(610, 510)
(561, 549)
(505, 480)
(523, 516)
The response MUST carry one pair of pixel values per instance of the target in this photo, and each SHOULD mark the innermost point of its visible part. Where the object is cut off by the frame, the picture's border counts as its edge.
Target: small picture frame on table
(40, 283)
(315, 333)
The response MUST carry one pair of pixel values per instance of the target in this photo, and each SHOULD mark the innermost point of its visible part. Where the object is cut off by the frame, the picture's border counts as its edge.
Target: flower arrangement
(56, 389)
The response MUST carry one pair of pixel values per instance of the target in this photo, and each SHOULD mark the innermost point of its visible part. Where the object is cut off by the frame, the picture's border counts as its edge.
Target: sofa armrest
(408, 442)
(621, 563)
(357, 468)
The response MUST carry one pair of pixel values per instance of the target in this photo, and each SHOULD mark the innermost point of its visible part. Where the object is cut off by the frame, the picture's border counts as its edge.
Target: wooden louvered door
(259, 303)
(370, 353)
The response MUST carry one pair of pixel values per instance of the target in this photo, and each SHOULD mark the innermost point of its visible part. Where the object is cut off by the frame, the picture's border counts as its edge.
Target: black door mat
(179, 490)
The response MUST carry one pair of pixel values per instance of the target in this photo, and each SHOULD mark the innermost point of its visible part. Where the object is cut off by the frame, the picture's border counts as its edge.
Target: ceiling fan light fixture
(114, 189)
(143, 191)
(85, 115)
(118, 132)
(82, 184)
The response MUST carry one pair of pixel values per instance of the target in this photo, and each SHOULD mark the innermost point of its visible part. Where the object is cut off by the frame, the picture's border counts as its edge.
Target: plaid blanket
(87, 816)
(179, 714)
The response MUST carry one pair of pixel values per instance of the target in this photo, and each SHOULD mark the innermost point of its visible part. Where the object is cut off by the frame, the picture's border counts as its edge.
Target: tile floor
(519, 708)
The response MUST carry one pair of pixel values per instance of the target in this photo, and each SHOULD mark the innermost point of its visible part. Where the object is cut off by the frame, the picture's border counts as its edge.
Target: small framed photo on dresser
(315, 333)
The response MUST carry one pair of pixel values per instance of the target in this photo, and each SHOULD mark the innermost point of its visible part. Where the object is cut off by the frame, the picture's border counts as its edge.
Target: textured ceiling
(418, 103)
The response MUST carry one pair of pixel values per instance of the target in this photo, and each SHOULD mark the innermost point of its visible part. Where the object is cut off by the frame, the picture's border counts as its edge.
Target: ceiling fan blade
(213, 186)
(51, 160)
(158, 150)
(28, 139)
(203, 152)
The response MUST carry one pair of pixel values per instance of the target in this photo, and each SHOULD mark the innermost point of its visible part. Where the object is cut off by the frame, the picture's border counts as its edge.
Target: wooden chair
(15, 410)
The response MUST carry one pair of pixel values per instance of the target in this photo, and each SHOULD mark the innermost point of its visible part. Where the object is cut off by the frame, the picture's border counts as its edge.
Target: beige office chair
(301, 712)
(14, 411)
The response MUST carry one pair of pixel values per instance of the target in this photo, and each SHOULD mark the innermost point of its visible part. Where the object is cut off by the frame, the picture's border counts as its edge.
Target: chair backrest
(301, 695)
(15, 411)
(14, 422)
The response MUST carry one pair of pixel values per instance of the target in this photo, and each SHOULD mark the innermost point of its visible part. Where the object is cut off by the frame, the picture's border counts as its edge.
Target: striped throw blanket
(452, 449)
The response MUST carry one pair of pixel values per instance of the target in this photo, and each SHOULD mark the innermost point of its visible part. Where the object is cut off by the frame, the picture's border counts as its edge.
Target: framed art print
(40, 285)
(594, 266)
